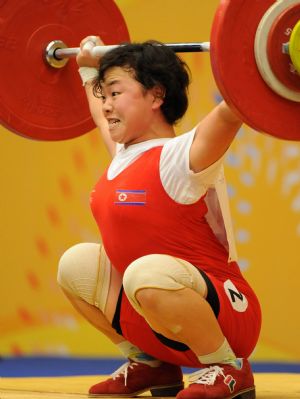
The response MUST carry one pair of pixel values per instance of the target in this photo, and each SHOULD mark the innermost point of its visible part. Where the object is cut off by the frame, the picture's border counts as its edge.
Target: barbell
(57, 53)
(254, 50)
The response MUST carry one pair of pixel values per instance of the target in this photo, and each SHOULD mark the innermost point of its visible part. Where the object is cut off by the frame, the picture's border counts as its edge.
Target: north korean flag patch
(130, 197)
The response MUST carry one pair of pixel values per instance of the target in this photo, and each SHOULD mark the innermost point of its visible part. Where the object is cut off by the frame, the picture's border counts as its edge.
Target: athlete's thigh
(239, 313)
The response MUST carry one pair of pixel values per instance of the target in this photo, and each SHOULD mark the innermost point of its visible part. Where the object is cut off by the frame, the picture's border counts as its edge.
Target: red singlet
(136, 217)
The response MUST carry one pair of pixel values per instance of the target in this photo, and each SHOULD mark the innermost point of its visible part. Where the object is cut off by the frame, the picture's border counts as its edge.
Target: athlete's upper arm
(214, 135)
(181, 183)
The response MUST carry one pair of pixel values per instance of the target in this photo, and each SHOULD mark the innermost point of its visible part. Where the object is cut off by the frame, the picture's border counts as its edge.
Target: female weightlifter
(164, 284)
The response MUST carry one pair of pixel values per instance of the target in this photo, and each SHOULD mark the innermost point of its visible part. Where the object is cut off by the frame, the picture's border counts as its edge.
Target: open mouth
(113, 121)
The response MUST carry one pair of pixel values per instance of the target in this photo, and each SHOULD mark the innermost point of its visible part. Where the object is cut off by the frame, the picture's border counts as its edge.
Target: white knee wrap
(161, 271)
(84, 271)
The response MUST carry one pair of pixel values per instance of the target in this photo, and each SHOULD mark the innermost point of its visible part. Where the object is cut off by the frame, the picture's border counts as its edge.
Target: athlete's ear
(159, 94)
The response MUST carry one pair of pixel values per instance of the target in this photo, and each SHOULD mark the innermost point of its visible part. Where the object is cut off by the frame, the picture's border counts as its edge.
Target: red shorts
(239, 317)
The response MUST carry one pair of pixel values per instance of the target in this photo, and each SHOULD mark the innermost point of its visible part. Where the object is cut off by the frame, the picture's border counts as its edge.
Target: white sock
(134, 353)
(222, 355)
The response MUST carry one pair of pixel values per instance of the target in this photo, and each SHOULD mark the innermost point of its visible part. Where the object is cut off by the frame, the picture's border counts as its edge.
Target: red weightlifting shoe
(221, 381)
(134, 378)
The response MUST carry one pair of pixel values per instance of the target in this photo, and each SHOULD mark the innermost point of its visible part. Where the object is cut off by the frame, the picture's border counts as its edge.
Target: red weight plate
(280, 33)
(236, 74)
(38, 101)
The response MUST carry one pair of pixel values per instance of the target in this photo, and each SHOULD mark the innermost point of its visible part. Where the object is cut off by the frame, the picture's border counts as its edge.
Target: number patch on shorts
(238, 300)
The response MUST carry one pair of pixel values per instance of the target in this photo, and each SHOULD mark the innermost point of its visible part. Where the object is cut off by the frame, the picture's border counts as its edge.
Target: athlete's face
(128, 107)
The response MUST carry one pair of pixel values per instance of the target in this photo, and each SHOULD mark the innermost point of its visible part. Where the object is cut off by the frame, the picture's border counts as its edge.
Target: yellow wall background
(44, 209)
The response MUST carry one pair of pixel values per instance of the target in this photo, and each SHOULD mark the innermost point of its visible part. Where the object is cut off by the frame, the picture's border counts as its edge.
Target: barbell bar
(57, 53)
(53, 106)
(57, 50)
(101, 50)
